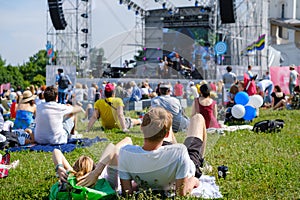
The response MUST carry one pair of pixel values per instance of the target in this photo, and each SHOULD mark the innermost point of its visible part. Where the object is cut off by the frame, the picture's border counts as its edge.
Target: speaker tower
(227, 11)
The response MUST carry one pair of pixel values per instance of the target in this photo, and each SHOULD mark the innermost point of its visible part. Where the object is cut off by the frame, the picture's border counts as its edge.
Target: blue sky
(23, 24)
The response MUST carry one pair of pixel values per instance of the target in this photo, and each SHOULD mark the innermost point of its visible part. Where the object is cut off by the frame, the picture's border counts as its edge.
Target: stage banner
(281, 76)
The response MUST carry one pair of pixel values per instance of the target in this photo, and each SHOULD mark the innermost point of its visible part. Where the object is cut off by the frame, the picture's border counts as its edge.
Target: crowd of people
(47, 115)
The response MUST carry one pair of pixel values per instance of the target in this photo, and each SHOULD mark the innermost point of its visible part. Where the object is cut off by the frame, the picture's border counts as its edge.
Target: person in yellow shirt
(110, 111)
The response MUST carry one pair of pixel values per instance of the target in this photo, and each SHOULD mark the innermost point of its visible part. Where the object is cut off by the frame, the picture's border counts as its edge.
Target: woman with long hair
(278, 98)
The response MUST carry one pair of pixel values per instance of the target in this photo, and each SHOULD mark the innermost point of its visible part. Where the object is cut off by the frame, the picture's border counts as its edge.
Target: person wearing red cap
(110, 111)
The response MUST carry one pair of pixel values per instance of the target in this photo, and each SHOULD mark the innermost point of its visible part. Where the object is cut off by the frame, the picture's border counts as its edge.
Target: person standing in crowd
(110, 112)
(77, 94)
(194, 90)
(120, 91)
(144, 91)
(267, 76)
(171, 104)
(178, 90)
(207, 107)
(229, 78)
(249, 72)
(63, 81)
(265, 89)
(54, 121)
(92, 93)
(293, 79)
(136, 94)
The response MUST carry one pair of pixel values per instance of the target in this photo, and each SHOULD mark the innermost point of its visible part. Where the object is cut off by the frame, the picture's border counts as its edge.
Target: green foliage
(39, 80)
(261, 165)
(32, 72)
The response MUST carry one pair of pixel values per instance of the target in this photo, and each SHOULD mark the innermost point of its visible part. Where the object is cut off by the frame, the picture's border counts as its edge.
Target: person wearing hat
(173, 105)
(293, 79)
(54, 121)
(110, 112)
(160, 163)
(26, 111)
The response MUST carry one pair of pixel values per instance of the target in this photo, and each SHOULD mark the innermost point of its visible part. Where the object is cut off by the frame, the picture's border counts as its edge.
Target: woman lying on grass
(85, 170)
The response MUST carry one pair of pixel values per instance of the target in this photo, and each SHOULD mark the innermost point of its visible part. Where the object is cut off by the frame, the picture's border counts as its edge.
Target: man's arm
(93, 119)
(121, 118)
(185, 185)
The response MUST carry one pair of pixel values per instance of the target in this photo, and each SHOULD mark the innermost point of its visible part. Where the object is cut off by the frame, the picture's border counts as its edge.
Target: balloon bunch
(246, 105)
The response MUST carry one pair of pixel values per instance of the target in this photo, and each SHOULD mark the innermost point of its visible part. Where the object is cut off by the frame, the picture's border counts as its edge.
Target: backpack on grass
(268, 126)
(69, 190)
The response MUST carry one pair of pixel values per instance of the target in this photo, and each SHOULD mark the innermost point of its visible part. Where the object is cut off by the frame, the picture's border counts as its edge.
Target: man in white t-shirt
(293, 79)
(265, 89)
(54, 121)
(159, 164)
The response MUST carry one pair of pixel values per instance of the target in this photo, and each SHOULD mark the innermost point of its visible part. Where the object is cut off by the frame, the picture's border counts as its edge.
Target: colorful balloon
(250, 112)
(238, 111)
(241, 98)
(256, 101)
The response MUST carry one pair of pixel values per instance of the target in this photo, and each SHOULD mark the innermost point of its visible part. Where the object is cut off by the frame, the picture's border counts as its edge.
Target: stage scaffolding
(251, 22)
(74, 43)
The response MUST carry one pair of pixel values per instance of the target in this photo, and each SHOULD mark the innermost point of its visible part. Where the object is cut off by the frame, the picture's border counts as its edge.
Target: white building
(284, 19)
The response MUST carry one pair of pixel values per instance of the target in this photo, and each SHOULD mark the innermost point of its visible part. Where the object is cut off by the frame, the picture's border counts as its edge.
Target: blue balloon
(241, 98)
(250, 113)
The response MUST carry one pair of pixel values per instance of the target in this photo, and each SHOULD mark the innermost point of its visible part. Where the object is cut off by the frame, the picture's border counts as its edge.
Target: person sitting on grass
(160, 164)
(173, 105)
(110, 111)
(206, 106)
(54, 121)
(278, 98)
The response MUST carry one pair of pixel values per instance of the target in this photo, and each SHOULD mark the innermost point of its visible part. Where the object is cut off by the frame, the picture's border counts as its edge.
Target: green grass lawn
(261, 165)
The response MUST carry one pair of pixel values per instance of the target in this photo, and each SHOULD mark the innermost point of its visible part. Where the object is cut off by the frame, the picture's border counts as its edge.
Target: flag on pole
(260, 43)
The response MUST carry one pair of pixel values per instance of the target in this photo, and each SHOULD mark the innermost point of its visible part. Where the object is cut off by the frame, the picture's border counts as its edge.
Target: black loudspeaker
(227, 11)
(56, 14)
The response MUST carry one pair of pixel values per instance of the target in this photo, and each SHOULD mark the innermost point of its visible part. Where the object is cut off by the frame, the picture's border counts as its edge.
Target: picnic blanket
(229, 128)
(70, 146)
(207, 189)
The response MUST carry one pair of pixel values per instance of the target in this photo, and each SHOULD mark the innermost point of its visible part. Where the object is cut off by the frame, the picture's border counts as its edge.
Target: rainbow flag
(260, 43)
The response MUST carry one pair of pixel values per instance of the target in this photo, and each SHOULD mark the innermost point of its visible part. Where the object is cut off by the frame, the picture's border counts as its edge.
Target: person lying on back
(160, 166)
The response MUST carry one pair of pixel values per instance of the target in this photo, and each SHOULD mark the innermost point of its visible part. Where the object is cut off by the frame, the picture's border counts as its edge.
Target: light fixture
(84, 45)
(84, 15)
(196, 3)
(164, 5)
(85, 30)
(83, 58)
(136, 12)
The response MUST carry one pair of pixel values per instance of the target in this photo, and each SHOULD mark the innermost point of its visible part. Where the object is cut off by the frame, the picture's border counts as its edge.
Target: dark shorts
(193, 145)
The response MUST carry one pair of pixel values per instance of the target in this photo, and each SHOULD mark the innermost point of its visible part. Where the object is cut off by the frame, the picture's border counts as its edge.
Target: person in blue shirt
(62, 81)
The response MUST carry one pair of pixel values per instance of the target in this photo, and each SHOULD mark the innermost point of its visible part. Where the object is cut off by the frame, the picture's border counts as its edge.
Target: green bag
(102, 190)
